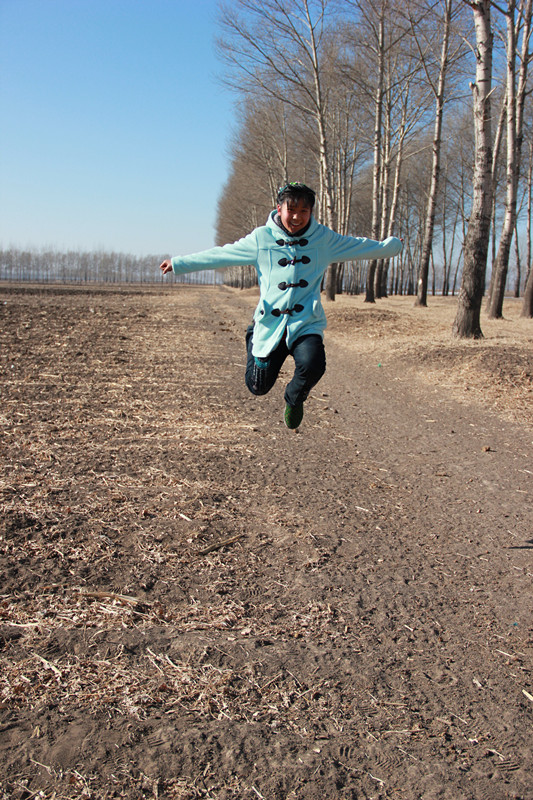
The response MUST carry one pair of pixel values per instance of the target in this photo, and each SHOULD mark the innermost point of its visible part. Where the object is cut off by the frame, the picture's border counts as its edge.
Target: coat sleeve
(354, 248)
(236, 254)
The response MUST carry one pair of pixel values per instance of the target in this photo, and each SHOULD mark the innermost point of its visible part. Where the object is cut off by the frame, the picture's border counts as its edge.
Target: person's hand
(166, 266)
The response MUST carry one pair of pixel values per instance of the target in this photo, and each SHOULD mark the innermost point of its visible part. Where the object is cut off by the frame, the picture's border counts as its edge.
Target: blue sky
(114, 128)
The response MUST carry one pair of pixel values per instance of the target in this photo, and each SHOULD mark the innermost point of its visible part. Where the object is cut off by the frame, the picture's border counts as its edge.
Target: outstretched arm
(347, 248)
(237, 254)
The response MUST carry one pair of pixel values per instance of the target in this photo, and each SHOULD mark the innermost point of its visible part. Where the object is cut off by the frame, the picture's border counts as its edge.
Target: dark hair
(296, 191)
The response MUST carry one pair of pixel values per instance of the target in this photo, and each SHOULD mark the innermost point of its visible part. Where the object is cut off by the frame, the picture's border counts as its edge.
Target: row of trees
(97, 266)
(409, 117)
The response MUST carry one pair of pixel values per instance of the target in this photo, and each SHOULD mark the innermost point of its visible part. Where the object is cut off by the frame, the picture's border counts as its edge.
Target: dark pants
(309, 362)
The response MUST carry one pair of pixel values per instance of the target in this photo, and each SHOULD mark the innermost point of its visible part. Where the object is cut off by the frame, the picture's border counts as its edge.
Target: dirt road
(199, 603)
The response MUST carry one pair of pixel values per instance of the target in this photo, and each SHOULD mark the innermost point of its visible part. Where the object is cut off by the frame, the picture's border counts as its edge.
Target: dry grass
(495, 372)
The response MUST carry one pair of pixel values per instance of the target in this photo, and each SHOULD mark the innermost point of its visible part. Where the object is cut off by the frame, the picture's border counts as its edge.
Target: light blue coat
(290, 271)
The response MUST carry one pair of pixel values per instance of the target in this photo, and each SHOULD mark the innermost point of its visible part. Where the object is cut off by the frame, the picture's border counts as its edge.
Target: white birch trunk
(422, 284)
(376, 175)
(467, 321)
(515, 106)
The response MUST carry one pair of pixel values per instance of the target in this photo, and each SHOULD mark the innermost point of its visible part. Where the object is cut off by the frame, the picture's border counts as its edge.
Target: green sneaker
(294, 415)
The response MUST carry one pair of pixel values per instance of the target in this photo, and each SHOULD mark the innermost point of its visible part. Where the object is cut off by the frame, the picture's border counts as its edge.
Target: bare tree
(278, 50)
(377, 169)
(394, 86)
(439, 91)
(527, 303)
(514, 106)
(381, 40)
(467, 323)
(262, 156)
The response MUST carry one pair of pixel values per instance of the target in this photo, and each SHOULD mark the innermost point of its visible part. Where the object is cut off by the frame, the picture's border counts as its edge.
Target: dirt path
(364, 632)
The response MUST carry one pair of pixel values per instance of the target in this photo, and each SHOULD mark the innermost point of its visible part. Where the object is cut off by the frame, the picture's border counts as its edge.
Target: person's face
(294, 215)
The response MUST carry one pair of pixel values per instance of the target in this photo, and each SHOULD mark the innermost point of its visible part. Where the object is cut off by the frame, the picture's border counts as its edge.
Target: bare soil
(199, 603)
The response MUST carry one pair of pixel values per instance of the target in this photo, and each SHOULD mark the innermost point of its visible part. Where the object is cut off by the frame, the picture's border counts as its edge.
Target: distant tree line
(410, 117)
(99, 266)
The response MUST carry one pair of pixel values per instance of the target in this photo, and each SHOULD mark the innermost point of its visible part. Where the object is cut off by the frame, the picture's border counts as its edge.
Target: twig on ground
(219, 545)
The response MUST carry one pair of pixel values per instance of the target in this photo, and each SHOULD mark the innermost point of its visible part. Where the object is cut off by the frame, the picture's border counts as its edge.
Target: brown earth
(199, 603)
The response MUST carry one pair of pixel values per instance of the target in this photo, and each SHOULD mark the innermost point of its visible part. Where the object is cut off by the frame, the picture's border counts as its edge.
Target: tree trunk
(395, 192)
(528, 312)
(527, 304)
(330, 284)
(379, 291)
(518, 278)
(376, 176)
(467, 321)
(496, 148)
(422, 287)
(324, 161)
(515, 104)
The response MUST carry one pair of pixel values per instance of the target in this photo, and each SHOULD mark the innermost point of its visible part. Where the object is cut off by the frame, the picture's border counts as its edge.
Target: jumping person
(291, 254)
